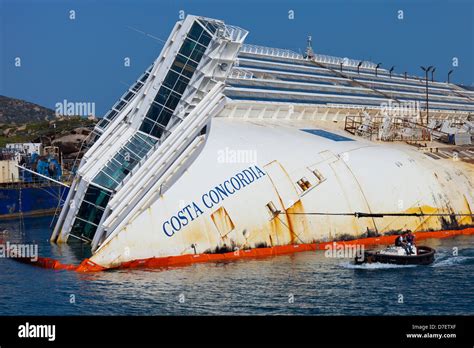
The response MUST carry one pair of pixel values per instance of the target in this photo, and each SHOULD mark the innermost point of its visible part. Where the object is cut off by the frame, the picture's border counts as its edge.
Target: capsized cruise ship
(226, 147)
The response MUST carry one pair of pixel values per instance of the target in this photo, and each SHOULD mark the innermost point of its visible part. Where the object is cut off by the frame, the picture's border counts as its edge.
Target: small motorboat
(421, 255)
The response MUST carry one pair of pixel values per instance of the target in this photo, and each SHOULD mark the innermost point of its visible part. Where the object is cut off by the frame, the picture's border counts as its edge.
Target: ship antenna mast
(309, 49)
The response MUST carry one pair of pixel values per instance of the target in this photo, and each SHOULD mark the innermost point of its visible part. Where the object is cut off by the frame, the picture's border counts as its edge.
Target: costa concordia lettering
(211, 198)
(332, 164)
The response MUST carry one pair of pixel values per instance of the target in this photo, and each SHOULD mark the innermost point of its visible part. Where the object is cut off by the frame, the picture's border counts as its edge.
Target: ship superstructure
(135, 136)
(222, 146)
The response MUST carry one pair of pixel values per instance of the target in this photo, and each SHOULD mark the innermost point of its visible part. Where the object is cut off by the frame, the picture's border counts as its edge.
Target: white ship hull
(194, 217)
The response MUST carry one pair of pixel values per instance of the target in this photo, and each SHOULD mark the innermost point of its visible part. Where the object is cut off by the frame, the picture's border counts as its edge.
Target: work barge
(223, 150)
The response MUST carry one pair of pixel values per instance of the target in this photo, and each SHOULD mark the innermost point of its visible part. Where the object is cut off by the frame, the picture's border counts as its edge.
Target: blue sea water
(306, 283)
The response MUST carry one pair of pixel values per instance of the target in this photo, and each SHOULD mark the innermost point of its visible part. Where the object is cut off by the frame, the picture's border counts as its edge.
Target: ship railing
(376, 107)
(321, 58)
(238, 73)
(270, 51)
(459, 91)
(352, 106)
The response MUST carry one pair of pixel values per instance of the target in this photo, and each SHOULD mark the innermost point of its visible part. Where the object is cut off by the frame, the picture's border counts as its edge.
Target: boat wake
(374, 265)
(452, 261)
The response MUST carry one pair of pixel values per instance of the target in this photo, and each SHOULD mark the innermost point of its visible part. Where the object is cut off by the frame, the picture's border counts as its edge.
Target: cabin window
(137, 86)
(179, 63)
(318, 175)
(272, 210)
(304, 184)
(195, 32)
(128, 96)
(111, 115)
(103, 123)
(119, 106)
(144, 77)
(170, 79)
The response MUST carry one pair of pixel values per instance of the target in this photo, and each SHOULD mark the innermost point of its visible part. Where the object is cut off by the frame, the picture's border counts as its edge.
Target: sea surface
(306, 283)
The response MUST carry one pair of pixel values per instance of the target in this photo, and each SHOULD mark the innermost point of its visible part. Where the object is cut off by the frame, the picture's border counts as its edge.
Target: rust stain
(426, 222)
(467, 220)
(202, 234)
(223, 222)
(420, 223)
(277, 225)
(294, 220)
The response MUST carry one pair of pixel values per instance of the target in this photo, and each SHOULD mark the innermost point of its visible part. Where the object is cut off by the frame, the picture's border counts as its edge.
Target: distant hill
(54, 132)
(21, 122)
(17, 111)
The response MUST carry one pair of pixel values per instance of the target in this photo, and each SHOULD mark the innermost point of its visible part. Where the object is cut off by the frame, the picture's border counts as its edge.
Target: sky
(82, 59)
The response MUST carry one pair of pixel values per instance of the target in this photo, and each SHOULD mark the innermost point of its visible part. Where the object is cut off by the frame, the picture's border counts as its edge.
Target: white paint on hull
(358, 176)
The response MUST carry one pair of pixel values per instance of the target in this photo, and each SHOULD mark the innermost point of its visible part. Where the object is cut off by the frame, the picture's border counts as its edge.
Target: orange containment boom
(181, 260)
(46, 262)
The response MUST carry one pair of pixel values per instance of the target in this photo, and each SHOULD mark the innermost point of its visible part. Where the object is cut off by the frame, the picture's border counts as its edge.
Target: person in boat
(401, 241)
(410, 240)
